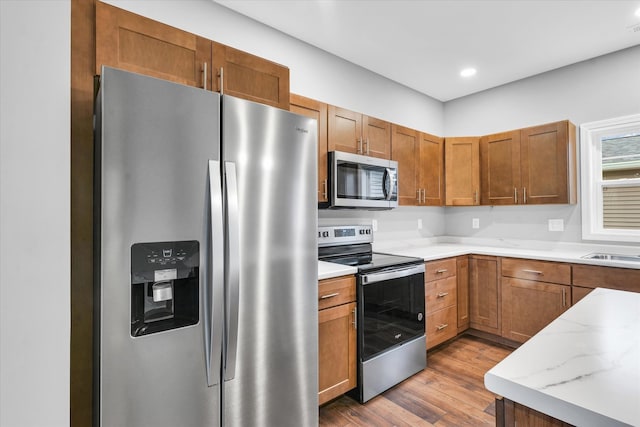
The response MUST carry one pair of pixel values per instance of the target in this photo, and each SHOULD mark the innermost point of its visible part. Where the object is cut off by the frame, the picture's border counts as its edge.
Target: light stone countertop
(327, 270)
(444, 247)
(584, 367)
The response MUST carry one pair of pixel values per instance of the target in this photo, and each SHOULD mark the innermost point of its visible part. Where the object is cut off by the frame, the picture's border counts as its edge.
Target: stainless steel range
(391, 309)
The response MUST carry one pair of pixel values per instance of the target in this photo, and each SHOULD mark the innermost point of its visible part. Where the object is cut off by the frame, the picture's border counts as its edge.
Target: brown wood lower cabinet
(440, 301)
(534, 293)
(336, 337)
(484, 294)
(529, 306)
(462, 274)
(512, 414)
(593, 276)
(578, 292)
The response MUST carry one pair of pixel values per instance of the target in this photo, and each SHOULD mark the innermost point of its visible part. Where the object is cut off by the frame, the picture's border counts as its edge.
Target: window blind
(621, 206)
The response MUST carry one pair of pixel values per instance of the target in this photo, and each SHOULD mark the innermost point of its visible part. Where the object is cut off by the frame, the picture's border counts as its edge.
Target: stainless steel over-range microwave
(362, 182)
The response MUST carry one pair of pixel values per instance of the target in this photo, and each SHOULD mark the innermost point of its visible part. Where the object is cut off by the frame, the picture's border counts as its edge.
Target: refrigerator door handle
(214, 303)
(232, 278)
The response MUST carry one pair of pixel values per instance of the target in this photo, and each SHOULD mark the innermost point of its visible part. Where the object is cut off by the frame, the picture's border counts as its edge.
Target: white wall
(34, 213)
(314, 73)
(600, 88)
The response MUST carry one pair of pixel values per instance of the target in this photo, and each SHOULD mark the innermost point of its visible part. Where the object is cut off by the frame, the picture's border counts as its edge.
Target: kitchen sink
(613, 257)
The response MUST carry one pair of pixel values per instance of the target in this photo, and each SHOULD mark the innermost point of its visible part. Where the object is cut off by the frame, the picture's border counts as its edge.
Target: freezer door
(154, 143)
(271, 338)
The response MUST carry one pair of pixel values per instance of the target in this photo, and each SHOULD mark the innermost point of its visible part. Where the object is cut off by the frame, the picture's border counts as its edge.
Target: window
(611, 179)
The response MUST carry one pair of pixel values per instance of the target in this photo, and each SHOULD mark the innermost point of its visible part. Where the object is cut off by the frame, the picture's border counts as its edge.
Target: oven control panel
(344, 235)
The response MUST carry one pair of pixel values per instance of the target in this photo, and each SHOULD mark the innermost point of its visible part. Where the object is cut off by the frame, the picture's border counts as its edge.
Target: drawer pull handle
(330, 295)
(533, 271)
(442, 294)
(441, 327)
(441, 271)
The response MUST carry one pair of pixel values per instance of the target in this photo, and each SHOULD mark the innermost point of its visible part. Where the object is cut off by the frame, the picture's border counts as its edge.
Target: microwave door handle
(214, 305)
(388, 190)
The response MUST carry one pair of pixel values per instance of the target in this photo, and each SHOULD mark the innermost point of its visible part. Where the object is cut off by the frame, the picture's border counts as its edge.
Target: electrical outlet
(556, 225)
(419, 223)
(374, 224)
(475, 223)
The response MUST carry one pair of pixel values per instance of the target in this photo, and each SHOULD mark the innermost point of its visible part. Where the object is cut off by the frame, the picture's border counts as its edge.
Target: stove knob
(325, 234)
(368, 231)
(319, 234)
(362, 231)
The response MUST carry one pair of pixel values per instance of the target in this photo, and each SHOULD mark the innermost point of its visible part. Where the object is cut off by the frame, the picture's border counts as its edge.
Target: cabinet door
(529, 306)
(316, 110)
(500, 168)
(462, 278)
(336, 351)
(462, 171)
(344, 130)
(250, 77)
(134, 43)
(431, 169)
(377, 137)
(404, 146)
(484, 294)
(578, 292)
(548, 163)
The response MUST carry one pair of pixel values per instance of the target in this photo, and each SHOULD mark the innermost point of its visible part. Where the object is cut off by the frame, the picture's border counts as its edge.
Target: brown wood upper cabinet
(535, 165)
(135, 43)
(404, 150)
(247, 76)
(316, 110)
(420, 166)
(431, 169)
(462, 171)
(356, 133)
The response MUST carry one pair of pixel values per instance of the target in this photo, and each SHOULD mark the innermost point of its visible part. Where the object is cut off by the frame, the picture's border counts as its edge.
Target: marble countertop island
(584, 367)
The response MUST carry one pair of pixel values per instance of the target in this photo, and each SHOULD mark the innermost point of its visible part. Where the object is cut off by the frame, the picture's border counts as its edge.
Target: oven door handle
(369, 278)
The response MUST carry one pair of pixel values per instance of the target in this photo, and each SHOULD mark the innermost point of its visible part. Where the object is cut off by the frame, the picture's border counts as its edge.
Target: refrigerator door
(154, 142)
(271, 278)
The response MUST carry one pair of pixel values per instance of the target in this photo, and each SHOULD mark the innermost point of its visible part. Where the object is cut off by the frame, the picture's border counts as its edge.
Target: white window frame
(591, 178)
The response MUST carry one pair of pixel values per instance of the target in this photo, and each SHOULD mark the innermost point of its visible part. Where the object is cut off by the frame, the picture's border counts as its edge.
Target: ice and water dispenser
(164, 286)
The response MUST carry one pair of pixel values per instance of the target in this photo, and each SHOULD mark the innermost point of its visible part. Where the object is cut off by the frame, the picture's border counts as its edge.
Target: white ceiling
(424, 44)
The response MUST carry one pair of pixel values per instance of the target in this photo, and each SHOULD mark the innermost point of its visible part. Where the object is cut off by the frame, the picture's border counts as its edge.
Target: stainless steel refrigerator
(205, 259)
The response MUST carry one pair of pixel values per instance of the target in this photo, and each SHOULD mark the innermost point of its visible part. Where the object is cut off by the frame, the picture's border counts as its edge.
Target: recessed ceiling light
(638, 12)
(468, 72)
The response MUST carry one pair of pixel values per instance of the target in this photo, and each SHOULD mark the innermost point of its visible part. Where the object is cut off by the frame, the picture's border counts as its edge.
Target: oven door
(362, 182)
(390, 309)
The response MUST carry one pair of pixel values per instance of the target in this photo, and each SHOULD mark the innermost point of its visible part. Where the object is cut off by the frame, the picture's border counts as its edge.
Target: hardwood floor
(449, 392)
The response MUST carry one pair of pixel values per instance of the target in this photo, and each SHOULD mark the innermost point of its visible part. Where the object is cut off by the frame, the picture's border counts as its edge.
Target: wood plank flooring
(449, 392)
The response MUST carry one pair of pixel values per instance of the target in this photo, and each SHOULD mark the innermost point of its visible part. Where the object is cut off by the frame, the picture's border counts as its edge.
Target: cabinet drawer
(440, 294)
(332, 292)
(436, 270)
(441, 326)
(591, 276)
(540, 271)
